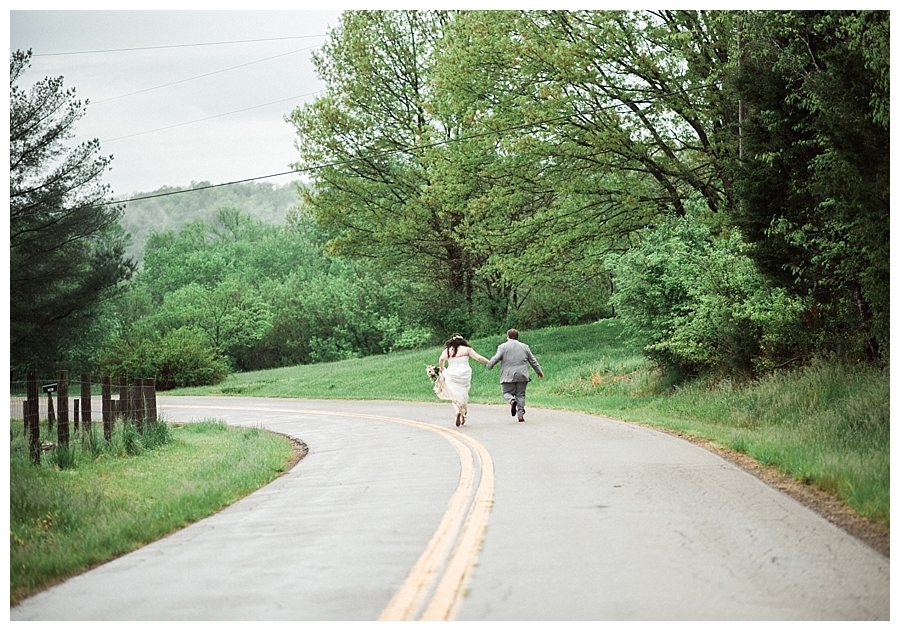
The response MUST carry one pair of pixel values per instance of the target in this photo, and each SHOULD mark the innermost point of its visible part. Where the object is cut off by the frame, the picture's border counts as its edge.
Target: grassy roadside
(826, 424)
(64, 520)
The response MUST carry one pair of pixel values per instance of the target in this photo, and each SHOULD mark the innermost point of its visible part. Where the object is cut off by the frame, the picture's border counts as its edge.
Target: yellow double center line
(437, 584)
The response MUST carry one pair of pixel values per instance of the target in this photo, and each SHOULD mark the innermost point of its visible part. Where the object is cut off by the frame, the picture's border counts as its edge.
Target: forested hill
(264, 201)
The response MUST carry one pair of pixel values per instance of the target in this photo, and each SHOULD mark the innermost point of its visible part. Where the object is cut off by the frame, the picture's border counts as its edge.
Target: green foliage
(257, 296)
(417, 182)
(177, 358)
(696, 303)
(348, 312)
(67, 253)
(167, 208)
(815, 179)
(231, 316)
(613, 117)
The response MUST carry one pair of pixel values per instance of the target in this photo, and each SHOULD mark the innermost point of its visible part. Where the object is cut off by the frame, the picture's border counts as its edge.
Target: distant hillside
(267, 202)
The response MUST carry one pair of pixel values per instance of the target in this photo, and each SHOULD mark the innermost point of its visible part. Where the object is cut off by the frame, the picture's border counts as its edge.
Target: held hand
(541, 375)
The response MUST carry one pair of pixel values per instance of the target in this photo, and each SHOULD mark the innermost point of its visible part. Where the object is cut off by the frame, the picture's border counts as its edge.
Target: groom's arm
(534, 363)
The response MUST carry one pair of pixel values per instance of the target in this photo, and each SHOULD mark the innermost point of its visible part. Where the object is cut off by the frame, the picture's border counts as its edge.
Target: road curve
(395, 514)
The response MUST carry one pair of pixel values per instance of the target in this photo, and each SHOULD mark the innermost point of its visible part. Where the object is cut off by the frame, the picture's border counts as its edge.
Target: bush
(696, 303)
(179, 358)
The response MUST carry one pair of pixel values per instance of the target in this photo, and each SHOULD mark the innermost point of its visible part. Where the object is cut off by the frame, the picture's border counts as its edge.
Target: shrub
(178, 358)
(697, 303)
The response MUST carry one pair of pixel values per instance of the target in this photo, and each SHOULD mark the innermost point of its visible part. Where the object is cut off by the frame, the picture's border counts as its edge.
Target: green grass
(85, 506)
(827, 424)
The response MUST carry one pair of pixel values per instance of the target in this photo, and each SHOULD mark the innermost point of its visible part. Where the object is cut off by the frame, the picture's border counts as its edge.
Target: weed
(63, 457)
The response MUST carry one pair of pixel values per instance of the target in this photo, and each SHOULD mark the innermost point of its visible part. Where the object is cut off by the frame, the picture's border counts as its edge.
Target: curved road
(396, 514)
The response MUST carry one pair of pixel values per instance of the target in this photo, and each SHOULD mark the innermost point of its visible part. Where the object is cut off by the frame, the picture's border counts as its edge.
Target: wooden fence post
(33, 417)
(137, 404)
(106, 407)
(150, 385)
(86, 403)
(75, 415)
(124, 409)
(62, 403)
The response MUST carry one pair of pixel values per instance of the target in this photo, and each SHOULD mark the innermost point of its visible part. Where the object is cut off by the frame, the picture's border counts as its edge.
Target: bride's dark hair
(454, 343)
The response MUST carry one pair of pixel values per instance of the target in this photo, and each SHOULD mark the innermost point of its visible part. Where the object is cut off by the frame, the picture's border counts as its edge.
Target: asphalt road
(396, 514)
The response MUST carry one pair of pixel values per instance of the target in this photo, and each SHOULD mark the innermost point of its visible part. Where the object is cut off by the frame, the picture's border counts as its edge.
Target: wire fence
(18, 394)
(32, 401)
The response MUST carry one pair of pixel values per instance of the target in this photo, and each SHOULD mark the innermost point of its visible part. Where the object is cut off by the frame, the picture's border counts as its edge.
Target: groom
(514, 358)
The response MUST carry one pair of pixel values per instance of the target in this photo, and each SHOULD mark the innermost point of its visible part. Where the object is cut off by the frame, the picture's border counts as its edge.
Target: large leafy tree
(365, 130)
(610, 119)
(66, 248)
(815, 178)
(413, 178)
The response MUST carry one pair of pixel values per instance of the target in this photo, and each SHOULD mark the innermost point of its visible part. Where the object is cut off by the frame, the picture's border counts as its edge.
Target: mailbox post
(50, 388)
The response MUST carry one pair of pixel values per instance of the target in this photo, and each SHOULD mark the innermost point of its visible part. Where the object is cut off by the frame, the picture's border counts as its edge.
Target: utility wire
(391, 152)
(200, 120)
(208, 74)
(121, 50)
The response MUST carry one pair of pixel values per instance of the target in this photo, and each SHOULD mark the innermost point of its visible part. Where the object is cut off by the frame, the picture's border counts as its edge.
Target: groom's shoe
(521, 419)
(512, 408)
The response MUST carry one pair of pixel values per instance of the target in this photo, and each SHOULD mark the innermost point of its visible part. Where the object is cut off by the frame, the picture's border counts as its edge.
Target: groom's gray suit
(515, 358)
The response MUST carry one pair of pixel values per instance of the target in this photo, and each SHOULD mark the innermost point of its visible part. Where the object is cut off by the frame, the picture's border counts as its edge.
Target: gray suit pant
(515, 391)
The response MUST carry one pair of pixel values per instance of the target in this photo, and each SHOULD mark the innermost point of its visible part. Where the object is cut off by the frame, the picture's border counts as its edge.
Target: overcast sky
(135, 92)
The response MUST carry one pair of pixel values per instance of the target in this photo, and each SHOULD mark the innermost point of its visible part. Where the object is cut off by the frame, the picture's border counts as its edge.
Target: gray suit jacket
(514, 358)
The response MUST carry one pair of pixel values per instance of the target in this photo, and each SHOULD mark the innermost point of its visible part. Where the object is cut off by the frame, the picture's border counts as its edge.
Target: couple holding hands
(514, 357)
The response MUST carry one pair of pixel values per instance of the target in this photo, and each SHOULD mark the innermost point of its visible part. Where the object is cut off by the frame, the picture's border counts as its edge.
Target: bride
(454, 381)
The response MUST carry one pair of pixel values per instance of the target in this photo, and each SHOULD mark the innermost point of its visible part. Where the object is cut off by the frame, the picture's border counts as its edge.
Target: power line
(122, 50)
(408, 149)
(370, 156)
(198, 188)
(200, 120)
(208, 74)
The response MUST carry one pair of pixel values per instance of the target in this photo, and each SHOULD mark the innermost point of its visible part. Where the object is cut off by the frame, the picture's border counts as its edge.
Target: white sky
(231, 146)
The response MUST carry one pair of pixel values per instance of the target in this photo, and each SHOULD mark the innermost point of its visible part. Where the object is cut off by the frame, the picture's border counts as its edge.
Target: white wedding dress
(453, 384)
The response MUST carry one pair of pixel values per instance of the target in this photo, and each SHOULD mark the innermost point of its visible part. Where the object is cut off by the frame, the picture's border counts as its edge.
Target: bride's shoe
(458, 416)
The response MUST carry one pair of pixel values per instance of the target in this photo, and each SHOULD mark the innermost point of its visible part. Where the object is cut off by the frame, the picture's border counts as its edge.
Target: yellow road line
(451, 591)
(463, 544)
(408, 599)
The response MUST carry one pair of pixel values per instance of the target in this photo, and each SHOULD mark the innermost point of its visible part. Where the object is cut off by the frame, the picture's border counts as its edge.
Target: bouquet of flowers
(433, 372)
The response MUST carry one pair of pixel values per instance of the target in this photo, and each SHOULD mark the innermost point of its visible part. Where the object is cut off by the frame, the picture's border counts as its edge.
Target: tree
(373, 195)
(815, 177)
(231, 315)
(694, 302)
(614, 119)
(66, 248)
(410, 178)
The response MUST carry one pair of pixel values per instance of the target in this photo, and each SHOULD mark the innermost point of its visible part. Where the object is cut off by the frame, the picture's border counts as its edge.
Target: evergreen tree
(66, 247)
(815, 175)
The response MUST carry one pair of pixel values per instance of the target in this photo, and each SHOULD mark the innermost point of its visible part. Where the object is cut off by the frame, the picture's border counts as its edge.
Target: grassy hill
(827, 424)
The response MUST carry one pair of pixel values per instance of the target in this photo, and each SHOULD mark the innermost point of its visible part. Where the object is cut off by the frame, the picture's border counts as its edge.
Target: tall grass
(110, 499)
(827, 424)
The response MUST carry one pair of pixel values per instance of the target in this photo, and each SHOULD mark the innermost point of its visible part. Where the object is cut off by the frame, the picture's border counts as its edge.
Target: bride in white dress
(454, 381)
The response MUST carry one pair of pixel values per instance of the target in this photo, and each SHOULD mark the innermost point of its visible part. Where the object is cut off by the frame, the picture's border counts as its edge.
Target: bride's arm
(472, 352)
